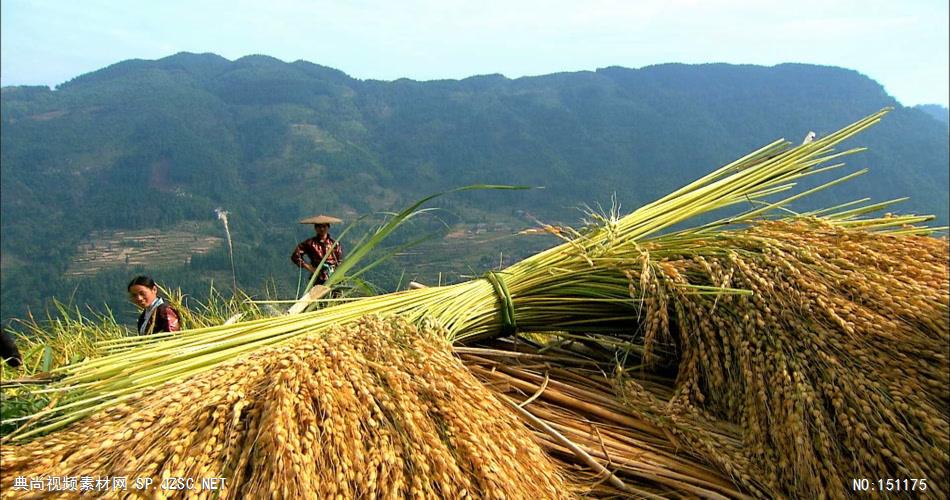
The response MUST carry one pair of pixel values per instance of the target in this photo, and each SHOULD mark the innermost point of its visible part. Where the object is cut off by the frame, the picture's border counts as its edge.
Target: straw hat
(320, 219)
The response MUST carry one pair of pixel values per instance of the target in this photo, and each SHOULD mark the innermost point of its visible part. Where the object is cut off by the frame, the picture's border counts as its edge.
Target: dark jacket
(8, 350)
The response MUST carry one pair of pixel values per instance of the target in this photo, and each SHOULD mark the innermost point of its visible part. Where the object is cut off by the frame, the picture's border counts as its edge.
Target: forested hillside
(151, 148)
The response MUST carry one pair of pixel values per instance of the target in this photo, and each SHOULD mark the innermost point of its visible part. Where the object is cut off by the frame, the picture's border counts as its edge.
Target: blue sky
(902, 44)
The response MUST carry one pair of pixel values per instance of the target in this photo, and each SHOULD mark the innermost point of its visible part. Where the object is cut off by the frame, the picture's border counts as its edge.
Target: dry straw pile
(376, 409)
(631, 440)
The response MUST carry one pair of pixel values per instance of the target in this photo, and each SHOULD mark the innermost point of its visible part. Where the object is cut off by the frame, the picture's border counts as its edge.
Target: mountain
(941, 113)
(118, 171)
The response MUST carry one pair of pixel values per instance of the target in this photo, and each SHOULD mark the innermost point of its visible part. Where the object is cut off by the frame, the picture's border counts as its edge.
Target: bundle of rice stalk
(581, 285)
(834, 367)
(558, 289)
(628, 440)
(821, 339)
(375, 409)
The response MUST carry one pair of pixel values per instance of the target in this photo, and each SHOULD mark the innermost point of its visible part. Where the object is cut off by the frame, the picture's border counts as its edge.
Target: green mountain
(119, 171)
(940, 113)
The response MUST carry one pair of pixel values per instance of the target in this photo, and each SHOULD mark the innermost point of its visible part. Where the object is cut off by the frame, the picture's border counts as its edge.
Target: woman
(157, 316)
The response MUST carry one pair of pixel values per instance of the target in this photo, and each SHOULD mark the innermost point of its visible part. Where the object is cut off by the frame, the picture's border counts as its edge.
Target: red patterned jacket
(163, 319)
(315, 249)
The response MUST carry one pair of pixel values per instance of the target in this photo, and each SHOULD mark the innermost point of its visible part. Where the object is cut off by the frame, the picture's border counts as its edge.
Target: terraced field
(110, 249)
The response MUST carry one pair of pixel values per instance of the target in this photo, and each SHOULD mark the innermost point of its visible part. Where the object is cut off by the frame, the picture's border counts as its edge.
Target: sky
(902, 44)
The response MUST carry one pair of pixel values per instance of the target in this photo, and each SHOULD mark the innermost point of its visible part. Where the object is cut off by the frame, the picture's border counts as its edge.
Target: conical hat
(320, 219)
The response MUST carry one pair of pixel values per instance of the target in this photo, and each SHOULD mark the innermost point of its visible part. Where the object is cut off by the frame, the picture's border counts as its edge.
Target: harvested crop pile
(629, 438)
(788, 356)
(580, 286)
(376, 409)
(834, 367)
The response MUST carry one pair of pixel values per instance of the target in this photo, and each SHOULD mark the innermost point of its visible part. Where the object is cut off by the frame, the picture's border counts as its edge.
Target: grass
(66, 336)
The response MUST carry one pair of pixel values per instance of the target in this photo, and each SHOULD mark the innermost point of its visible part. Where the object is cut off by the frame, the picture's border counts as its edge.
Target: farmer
(318, 247)
(157, 316)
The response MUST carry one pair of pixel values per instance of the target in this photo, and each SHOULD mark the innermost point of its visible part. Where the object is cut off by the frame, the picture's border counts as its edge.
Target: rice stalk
(372, 409)
(811, 338)
(470, 310)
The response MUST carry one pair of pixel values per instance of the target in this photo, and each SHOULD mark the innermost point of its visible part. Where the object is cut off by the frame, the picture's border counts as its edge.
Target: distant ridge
(941, 113)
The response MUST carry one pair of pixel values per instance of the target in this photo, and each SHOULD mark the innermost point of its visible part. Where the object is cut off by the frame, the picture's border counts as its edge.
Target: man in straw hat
(318, 247)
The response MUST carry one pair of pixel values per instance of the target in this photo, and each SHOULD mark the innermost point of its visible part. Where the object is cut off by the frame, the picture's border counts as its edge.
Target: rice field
(150, 247)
